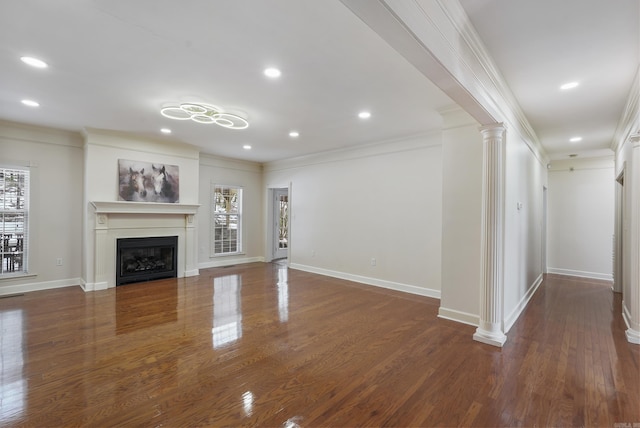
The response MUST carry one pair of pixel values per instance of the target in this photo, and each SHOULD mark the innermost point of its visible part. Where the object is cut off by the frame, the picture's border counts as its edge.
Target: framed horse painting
(148, 182)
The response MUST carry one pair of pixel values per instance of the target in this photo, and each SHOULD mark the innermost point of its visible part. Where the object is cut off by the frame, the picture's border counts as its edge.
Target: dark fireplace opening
(146, 259)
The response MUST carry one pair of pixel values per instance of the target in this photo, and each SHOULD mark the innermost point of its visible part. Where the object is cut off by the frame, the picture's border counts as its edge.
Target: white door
(280, 223)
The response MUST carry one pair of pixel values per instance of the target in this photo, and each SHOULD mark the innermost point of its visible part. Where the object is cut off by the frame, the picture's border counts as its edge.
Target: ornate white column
(491, 330)
(633, 319)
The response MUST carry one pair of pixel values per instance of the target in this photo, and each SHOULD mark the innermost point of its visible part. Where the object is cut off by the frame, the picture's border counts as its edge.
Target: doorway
(280, 224)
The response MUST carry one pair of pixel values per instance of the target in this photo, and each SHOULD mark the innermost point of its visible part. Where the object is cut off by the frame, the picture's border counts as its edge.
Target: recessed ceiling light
(30, 103)
(294, 134)
(165, 131)
(575, 139)
(34, 62)
(246, 147)
(364, 115)
(569, 85)
(272, 72)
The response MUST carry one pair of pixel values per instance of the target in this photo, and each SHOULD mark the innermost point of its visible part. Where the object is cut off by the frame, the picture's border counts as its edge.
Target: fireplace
(146, 259)
(115, 220)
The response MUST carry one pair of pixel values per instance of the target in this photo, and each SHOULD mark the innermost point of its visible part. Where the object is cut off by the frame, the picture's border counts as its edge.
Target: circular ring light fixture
(175, 113)
(231, 121)
(205, 113)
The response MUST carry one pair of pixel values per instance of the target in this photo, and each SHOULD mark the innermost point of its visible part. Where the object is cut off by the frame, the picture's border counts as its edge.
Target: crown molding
(488, 77)
(216, 161)
(17, 131)
(128, 141)
(630, 120)
(380, 148)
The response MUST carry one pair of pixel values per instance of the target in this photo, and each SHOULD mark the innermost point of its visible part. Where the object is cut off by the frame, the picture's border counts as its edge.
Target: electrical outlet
(373, 262)
(59, 261)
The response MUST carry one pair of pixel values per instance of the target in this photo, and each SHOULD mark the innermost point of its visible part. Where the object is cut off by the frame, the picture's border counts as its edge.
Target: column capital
(635, 140)
(493, 130)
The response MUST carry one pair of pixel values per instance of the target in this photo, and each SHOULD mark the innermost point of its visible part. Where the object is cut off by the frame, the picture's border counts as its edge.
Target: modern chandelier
(205, 113)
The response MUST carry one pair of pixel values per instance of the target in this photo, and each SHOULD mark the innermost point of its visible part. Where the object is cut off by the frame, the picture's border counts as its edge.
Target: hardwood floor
(257, 345)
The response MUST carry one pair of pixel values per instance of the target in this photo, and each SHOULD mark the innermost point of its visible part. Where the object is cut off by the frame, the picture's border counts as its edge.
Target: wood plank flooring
(260, 345)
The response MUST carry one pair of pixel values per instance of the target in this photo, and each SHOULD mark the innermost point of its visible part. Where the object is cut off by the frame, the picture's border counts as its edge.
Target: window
(14, 209)
(227, 220)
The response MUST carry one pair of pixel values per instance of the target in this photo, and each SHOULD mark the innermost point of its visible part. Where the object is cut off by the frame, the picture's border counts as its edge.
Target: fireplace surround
(146, 259)
(118, 219)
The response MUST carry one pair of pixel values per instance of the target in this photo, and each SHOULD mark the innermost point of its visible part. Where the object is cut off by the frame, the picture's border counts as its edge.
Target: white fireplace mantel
(123, 207)
(120, 219)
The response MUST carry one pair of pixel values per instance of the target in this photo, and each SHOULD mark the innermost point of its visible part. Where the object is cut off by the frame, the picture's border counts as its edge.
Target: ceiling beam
(439, 40)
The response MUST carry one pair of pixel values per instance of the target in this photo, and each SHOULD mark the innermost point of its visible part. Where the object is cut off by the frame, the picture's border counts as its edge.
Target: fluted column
(633, 318)
(491, 330)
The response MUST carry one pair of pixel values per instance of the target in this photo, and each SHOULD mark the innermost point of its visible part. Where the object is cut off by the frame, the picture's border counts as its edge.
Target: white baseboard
(515, 314)
(228, 261)
(406, 288)
(581, 274)
(37, 286)
(192, 272)
(633, 335)
(93, 286)
(458, 316)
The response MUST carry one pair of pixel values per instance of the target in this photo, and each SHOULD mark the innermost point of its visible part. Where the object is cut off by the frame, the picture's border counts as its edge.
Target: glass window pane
(13, 220)
(226, 219)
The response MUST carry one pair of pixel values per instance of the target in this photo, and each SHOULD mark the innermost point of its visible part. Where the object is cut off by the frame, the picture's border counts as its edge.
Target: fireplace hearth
(146, 259)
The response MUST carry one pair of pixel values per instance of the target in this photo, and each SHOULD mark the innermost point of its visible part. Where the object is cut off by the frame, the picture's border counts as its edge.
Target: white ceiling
(114, 64)
(539, 45)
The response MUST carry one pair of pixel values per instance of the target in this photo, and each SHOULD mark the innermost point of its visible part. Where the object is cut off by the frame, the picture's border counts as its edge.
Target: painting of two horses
(148, 182)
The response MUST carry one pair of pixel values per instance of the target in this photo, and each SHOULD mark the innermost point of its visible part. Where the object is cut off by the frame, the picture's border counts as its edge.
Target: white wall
(462, 214)
(101, 153)
(526, 177)
(381, 202)
(103, 149)
(581, 217)
(248, 175)
(626, 166)
(56, 160)
(461, 217)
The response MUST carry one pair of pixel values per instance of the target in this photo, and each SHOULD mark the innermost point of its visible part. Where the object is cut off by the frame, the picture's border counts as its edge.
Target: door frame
(271, 223)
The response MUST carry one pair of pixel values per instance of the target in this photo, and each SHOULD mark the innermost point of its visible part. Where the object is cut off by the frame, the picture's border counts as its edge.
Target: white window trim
(212, 240)
(24, 268)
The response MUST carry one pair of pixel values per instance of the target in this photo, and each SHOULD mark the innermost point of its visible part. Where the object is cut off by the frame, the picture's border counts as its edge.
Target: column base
(490, 338)
(633, 336)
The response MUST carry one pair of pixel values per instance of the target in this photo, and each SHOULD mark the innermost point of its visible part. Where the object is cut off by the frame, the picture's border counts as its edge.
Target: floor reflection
(227, 310)
(132, 314)
(247, 403)
(283, 294)
(12, 384)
